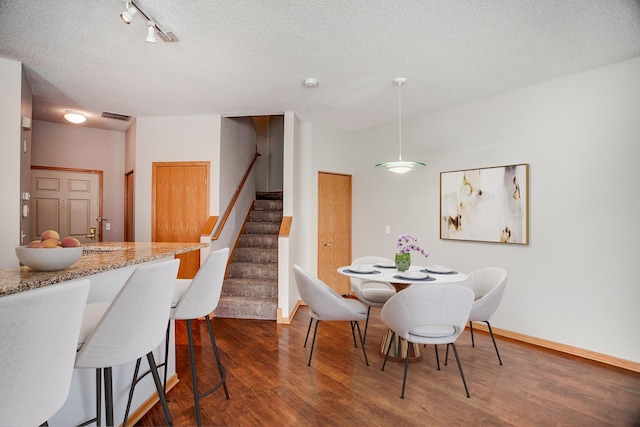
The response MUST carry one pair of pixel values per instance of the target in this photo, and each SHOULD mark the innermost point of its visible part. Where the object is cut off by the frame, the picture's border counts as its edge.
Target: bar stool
(193, 299)
(39, 335)
(127, 328)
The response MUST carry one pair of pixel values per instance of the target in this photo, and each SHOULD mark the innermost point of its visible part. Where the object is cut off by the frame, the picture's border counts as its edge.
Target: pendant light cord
(400, 121)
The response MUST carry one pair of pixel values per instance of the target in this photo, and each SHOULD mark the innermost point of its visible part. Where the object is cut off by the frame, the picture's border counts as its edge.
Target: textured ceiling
(248, 57)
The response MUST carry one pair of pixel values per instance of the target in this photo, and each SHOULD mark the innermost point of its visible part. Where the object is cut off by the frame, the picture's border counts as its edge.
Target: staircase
(250, 290)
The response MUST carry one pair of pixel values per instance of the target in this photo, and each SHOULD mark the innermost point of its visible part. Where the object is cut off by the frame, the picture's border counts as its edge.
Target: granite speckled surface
(99, 258)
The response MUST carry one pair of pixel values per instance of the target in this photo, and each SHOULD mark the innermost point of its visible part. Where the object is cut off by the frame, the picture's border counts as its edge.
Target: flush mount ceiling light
(310, 82)
(74, 117)
(400, 166)
(131, 8)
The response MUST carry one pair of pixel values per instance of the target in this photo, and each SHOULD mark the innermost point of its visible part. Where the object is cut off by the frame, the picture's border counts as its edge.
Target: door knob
(327, 244)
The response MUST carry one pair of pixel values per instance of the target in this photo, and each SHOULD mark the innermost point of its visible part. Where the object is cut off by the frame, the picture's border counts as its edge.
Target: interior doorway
(68, 201)
(180, 207)
(334, 229)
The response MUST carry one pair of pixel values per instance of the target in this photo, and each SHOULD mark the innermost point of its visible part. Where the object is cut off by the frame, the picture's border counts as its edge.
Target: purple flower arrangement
(406, 243)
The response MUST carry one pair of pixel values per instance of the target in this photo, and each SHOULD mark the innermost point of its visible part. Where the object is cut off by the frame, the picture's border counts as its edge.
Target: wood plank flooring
(270, 383)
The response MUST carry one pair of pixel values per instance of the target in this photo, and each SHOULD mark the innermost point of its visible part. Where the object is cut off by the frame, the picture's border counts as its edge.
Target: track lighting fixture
(153, 28)
(151, 32)
(128, 13)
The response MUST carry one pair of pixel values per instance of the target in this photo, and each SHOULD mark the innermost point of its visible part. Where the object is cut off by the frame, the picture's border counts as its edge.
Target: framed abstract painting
(486, 204)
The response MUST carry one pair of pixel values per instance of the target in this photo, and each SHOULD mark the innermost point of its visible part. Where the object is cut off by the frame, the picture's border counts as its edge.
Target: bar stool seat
(38, 335)
(126, 329)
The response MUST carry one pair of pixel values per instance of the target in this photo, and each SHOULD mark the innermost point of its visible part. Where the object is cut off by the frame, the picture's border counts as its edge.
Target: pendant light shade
(400, 166)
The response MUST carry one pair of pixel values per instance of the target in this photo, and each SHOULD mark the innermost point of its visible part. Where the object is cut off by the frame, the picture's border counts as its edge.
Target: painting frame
(488, 204)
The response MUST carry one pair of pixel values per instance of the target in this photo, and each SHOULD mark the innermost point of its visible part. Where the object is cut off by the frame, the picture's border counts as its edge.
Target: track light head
(128, 13)
(151, 32)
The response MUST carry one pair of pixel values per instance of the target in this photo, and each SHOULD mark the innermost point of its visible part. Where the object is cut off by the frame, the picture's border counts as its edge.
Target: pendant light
(400, 166)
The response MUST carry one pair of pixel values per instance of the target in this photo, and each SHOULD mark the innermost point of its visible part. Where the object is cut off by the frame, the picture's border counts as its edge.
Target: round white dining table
(396, 346)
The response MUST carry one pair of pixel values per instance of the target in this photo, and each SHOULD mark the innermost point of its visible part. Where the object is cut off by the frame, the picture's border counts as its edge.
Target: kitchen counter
(96, 258)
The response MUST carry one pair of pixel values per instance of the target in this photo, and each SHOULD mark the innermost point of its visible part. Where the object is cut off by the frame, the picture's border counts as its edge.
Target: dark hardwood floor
(270, 383)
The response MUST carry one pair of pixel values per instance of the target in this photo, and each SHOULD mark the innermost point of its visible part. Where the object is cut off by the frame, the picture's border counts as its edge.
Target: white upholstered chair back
(420, 312)
(488, 285)
(39, 331)
(135, 322)
(371, 293)
(202, 294)
(323, 301)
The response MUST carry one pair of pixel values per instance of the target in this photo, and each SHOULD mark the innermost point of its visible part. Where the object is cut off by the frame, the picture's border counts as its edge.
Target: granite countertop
(96, 258)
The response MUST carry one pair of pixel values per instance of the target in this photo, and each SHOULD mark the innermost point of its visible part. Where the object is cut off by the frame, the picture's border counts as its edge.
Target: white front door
(66, 201)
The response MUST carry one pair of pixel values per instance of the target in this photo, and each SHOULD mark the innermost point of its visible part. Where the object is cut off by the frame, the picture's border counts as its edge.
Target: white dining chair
(428, 314)
(38, 340)
(370, 293)
(326, 304)
(488, 285)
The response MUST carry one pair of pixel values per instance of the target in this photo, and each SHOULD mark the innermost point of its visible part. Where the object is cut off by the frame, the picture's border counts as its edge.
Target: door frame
(98, 172)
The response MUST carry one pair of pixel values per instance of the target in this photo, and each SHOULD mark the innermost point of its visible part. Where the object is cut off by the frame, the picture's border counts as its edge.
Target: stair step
(257, 270)
(247, 308)
(250, 288)
(255, 255)
(262, 228)
(268, 205)
(265, 216)
(269, 195)
(258, 241)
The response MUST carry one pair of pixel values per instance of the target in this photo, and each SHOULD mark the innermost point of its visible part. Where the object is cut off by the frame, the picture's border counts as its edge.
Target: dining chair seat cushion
(354, 304)
(377, 292)
(93, 312)
(433, 331)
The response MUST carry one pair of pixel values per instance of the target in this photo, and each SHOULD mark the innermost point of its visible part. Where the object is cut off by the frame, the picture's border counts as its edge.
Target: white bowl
(360, 268)
(413, 275)
(48, 259)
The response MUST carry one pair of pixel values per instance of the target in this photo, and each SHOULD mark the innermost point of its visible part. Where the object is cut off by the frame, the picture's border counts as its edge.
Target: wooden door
(180, 207)
(68, 201)
(334, 229)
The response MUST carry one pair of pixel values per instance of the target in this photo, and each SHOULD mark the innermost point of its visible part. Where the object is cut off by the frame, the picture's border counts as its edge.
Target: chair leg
(194, 377)
(353, 333)
(221, 369)
(134, 381)
(494, 342)
(446, 356)
(473, 344)
(406, 368)
(108, 396)
(166, 355)
(308, 329)
(435, 347)
(99, 397)
(455, 351)
(366, 361)
(366, 325)
(386, 355)
(313, 342)
(156, 379)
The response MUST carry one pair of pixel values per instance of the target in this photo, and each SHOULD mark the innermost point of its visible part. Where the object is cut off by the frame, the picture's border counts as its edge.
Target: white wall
(173, 139)
(10, 101)
(576, 283)
(78, 147)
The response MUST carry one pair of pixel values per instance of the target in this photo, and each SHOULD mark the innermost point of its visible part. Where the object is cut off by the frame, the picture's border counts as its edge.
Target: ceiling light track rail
(153, 25)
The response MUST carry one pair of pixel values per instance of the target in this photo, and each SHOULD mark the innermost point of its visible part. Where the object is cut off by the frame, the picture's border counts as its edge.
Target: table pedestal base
(398, 350)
